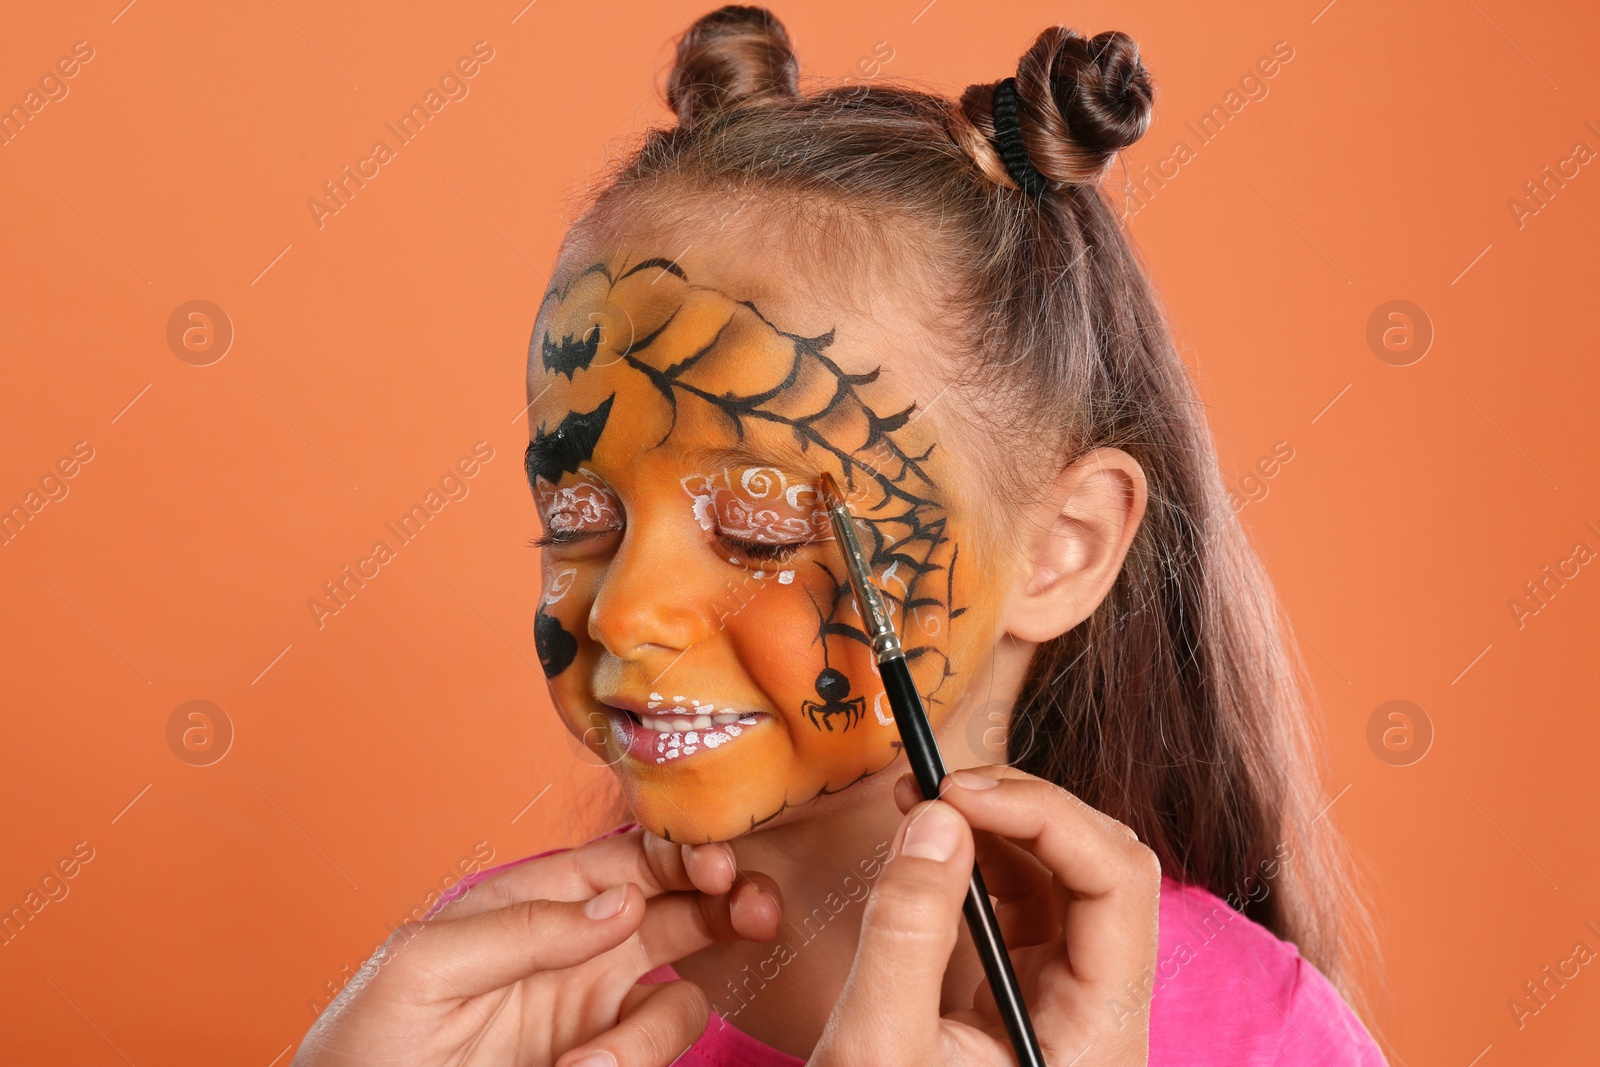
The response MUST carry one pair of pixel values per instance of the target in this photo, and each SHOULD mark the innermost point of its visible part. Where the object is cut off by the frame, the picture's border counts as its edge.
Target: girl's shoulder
(1226, 990)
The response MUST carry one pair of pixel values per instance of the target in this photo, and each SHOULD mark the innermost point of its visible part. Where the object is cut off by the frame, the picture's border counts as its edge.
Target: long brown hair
(1178, 707)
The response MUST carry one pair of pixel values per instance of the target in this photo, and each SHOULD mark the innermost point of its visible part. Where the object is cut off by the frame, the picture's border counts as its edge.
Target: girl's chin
(666, 822)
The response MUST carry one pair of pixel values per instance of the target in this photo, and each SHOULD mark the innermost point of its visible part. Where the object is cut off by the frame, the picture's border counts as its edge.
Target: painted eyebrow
(548, 460)
(535, 459)
(553, 453)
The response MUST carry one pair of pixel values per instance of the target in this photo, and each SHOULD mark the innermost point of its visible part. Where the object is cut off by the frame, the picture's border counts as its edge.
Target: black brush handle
(917, 737)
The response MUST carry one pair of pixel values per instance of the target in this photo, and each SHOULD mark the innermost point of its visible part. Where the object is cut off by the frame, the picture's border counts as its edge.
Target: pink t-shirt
(1226, 992)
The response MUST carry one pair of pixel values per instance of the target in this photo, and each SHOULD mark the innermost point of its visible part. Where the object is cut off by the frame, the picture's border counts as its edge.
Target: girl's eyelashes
(565, 537)
(763, 551)
(760, 551)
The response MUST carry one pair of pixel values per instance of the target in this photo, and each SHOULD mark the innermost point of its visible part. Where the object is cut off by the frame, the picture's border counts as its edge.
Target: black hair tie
(1008, 140)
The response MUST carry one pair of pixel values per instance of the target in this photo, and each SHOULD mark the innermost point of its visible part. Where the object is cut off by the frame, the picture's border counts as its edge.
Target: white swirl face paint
(587, 505)
(560, 584)
(760, 505)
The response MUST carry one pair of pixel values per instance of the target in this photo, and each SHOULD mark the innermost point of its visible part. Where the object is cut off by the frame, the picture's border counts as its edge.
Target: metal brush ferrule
(880, 631)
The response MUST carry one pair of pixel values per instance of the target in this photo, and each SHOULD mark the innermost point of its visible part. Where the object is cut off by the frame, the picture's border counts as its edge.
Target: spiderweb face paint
(677, 434)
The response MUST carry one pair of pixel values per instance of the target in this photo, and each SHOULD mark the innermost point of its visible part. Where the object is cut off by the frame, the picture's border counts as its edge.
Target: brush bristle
(831, 496)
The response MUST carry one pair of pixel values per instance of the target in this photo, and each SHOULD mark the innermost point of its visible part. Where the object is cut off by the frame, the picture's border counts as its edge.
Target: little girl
(931, 302)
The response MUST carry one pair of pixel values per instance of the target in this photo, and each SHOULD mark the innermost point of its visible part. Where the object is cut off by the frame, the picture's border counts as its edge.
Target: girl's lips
(649, 745)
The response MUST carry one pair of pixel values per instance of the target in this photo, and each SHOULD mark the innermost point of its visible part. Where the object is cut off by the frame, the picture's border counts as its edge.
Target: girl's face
(697, 627)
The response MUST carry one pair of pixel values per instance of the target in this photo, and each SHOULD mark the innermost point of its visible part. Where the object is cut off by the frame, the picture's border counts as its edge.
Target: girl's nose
(651, 598)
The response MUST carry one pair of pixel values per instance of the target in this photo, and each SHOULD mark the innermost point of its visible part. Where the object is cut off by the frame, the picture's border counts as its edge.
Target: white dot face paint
(671, 744)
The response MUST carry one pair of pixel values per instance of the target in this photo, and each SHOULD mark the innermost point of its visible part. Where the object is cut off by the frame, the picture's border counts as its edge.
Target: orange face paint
(697, 628)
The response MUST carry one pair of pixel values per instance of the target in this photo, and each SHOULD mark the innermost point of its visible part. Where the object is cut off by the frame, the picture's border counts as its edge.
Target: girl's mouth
(675, 731)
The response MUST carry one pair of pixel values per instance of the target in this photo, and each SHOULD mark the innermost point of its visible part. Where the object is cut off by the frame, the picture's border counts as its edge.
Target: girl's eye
(763, 551)
(578, 512)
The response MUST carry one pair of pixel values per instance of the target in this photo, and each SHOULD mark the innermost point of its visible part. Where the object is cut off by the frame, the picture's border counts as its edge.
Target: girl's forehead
(644, 375)
(806, 278)
(640, 344)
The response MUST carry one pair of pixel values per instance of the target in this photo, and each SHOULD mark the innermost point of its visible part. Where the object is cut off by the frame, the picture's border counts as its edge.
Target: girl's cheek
(782, 639)
(776, 634)
(770, 625)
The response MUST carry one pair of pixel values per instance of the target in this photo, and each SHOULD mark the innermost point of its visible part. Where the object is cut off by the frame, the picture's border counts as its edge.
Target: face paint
(682, 726)
(757, 505)
(586, 504)
(700, 608)
(559, 585)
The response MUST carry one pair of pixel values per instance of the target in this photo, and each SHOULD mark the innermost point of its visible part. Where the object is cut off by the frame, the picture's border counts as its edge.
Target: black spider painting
(834, 689)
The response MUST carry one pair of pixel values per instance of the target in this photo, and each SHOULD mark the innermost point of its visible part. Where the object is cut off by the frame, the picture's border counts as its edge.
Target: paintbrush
(916, 738)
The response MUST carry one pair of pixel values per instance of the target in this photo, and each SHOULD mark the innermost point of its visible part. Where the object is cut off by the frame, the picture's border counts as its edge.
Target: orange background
(372, 755)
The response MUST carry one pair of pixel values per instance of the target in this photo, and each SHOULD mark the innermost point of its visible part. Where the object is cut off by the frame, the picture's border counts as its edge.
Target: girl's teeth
(680, 724)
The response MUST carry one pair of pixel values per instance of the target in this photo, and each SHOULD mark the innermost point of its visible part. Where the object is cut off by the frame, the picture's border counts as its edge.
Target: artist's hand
(1078, 906)
(538, 965)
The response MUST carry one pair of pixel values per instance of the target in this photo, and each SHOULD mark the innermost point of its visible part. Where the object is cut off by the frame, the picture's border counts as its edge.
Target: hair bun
(735, 55)
(1102, 89)
(1079, 101)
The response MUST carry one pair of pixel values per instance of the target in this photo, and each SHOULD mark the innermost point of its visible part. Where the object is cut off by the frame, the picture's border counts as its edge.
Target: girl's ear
(1081, 533)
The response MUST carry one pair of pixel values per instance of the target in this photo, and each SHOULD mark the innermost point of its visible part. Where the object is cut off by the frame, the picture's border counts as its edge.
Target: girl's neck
(781, 991)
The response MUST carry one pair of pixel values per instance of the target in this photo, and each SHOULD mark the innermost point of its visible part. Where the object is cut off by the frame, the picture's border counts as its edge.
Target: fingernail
(968, 780)
(597, 1058)
(934, 835)
(605, 906)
